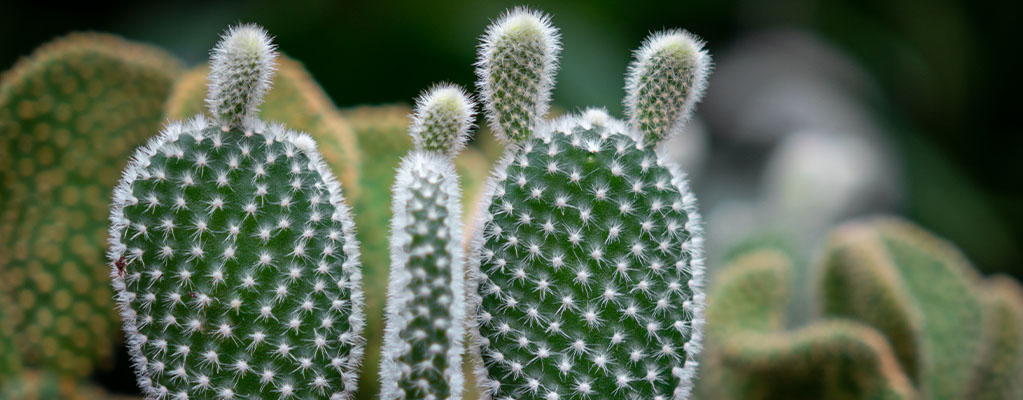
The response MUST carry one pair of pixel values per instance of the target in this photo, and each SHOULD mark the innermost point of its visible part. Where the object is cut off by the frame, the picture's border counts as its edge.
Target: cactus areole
(233, 252)
(587, 265)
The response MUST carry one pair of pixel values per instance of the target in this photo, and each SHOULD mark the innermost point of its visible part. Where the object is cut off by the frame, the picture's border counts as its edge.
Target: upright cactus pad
(233, 253)
(750, 355)
(916, 289)
(587, 261)
(70, 115)
(294, 99)
(383, 133)
(422, 352)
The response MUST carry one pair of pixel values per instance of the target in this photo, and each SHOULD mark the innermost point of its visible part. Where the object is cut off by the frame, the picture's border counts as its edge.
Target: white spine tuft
(518, 57)
(442, 120)
(664, 83)
(241, 72)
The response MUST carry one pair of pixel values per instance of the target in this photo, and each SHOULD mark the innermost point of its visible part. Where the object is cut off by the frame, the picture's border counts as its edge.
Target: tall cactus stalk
(422, 351)
(587, 261)
(233, 253)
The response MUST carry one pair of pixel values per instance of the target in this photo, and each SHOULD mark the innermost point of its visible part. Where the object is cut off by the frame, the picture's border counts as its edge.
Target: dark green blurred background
(948, 72)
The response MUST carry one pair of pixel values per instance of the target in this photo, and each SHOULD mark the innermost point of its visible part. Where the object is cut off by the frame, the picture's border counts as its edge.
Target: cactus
(998, 368)
(384, 139)
(69, 116)
(294, 99)
(750, 354)
(47, 385)
(913, 287)
(232, 252)
(586, 264)
(422, 351)
(10, 360)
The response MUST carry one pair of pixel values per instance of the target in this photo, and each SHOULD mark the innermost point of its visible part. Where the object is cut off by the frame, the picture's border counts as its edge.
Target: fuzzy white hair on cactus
(241, 73)
(422, 351)
(518, 57)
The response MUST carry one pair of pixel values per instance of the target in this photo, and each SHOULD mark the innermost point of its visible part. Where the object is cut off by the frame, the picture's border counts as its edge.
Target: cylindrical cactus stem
(664, 83)
(422, 351)
(587, 263)
(518, 57)
(233, 253)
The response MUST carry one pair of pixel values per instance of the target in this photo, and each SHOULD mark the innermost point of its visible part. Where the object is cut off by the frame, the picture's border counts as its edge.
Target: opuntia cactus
(918, 290)
(587, 260)
(751, 355)
(422, 351)
(997, 369)
(383, 133)
(294, 99)
(70, 115)
(233, 252)
(36, 384)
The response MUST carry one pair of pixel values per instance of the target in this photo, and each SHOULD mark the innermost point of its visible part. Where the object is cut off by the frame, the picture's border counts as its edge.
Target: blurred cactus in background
(233, 251)
(70, 114)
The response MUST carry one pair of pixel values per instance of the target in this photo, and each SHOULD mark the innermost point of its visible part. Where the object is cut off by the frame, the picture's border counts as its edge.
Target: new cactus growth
(232, 251)
(70, 115)
(422, 351)
(587, 258)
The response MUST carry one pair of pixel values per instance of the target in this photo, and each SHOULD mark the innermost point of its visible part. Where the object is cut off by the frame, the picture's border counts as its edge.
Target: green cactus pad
(916, 289)
(236, 265)
(750, 355)
(383, 138)
(294, 99)
(590, 268)
(70, 115)
(36, 385)
(997, 371)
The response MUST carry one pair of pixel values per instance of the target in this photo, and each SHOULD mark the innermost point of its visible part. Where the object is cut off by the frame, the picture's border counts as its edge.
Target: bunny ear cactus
(70, 114)
(587, 264)
(426, 296)
(233, 253)
(295, 99)
(916, 289)
(750, 355)
(383, 133)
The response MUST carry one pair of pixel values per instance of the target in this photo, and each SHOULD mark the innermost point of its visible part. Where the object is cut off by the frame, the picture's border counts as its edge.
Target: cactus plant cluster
(902, 316)
(233, 252)
(587, 261)
(238, 273)
(70, 114)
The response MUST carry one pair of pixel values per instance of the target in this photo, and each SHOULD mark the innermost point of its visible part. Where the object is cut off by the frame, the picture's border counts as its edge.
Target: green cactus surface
(384, 138)
(586, 262)
(234, 255)
(70, 114)
(294, 99)
(916, 289)
(37, 385)
(997, 371)
(751, 355)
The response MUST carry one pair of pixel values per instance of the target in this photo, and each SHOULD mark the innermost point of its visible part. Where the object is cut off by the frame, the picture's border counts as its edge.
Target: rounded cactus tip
(516, 67)
(241, 72)
(442, 119)
(664, 82)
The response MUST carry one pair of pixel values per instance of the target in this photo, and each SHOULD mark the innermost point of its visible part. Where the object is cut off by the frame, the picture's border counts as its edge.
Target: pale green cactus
(422, 351)
(233, 253)
(586, 263)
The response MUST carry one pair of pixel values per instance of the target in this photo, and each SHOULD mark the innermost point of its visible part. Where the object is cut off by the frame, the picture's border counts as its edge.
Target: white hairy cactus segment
(422, 352)
(518, 57)
(442, 119)
(241, 72)
(664, 83)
